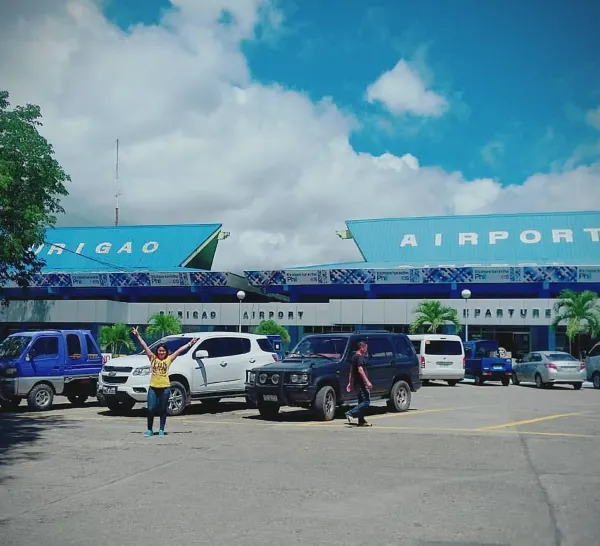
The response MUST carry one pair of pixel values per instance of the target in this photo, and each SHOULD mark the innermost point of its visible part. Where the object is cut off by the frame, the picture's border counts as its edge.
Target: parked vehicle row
(37, 366)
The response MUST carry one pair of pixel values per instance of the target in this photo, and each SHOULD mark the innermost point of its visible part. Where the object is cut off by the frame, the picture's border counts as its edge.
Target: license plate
(109, 390)
(497, 367)
(444, 363)
(270, 397)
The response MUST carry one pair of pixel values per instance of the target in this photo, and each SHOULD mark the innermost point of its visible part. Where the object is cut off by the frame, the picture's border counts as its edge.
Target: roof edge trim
(202, 246)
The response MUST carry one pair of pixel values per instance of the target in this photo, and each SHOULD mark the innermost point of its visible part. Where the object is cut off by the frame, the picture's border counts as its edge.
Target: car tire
(325, 404)
(178, 400)
(538, 381)
(478, 380)
(577, 386)
(506, 381)
(41, 397)
(400, 397)
(452, 382)
(120, 407)
(268, 410)
(596, 380)
(77, 400)
(10, 404)
(515, 379)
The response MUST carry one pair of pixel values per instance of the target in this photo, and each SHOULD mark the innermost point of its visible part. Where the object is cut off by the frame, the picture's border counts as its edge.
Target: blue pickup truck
(484, 363)
(40, 365)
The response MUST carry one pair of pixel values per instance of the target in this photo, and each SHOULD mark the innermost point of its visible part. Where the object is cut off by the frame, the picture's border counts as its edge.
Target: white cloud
(201, 142)
(593, 118)
(402, 90)
(492, 152)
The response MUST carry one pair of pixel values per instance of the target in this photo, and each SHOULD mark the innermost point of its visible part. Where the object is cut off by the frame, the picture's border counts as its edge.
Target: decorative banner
(494, 275)
(398, 276)
(447, 275)
(100, 280)
(588, 274)
(208, 278)
(352, 276)
(307, 277)
(169, 279)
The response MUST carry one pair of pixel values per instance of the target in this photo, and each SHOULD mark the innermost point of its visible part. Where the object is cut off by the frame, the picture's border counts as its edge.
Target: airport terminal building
(514, 265)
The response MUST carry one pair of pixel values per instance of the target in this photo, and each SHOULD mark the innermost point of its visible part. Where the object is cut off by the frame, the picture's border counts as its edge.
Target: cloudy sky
(281, 119)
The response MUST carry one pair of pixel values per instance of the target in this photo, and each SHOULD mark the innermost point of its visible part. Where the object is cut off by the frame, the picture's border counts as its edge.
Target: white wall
(289, 314)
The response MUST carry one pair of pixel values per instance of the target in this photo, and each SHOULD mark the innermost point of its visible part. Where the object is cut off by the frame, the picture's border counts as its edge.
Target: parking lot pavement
(467, 465)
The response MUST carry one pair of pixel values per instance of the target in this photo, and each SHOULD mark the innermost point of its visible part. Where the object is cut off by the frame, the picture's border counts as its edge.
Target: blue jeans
(364, 400)
(158, 399)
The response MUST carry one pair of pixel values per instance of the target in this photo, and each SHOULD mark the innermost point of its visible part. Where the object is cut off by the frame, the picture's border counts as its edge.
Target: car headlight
(275, 378)
(299, 378)
(262, 378)
(145, 370)
(252, 378)
(10, 371)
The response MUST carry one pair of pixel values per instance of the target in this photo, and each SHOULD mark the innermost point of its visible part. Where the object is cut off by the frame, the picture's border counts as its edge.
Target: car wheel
(400, 396)
(77, 399)
(506, 381)
(325, 403)
(577, 386)
(515, 379)
(452, 382)
(268, 410)
(10, 404)
(596, 380)
(538, 381)
(119, 407)
(478, 380)
(177, 400)
(40, 398)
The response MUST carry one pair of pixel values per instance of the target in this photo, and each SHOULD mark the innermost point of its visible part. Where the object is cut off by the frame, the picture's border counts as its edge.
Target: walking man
(359, 381)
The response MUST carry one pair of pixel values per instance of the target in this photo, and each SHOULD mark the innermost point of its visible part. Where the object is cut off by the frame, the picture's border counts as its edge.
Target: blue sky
(519, 76)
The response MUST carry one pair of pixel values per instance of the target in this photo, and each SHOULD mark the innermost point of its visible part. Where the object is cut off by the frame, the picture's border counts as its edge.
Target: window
(444, 347)
(172, 344)
(595, 351)
(535, 357)
(402, 346)
(417, 345)
(91, 348)
(12, 347)
(380, 348)
(220, 347)
(330, 346)
(73, 346)
(560, 356)
(265, 345)
(46, 347)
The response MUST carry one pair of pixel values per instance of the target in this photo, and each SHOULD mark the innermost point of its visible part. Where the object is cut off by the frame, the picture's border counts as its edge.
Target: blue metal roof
(571, 238)
(127, 248)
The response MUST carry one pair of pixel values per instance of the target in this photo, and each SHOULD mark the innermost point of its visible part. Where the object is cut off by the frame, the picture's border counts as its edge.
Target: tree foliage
(31, 185)
(162, 325)
(115, 338)
(433, 315)
(271, 328)
(580, 313)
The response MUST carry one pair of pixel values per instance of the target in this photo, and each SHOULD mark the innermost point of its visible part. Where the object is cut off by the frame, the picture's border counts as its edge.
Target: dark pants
(364, 400)
(158, 399)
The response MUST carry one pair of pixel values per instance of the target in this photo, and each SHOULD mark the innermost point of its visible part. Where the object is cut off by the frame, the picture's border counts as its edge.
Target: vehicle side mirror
(31, 355)
(200, 354)
(287, 353)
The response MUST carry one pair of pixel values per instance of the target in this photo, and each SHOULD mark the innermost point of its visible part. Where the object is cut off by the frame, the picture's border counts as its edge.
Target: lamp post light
(240, 296)
(466, 294)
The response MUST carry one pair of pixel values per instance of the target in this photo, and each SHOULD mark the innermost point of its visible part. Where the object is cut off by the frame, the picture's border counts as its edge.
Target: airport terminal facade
(514, 265)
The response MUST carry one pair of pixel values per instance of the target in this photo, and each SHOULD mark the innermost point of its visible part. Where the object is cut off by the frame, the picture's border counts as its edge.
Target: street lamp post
(240, 296)
(466, 294)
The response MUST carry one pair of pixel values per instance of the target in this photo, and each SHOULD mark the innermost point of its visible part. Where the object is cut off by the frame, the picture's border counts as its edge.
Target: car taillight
(275, 357)
(422, 361)
(464, 361)
(551, 366)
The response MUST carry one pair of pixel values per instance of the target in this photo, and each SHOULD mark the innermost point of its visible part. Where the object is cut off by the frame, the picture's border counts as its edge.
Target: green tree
(433, 314)
(580, 312)
(271, 328)
(31, 186)
(115, 337)
(162, 325)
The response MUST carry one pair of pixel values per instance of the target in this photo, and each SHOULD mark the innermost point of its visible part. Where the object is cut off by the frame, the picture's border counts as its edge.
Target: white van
(214, 368)
(440, 356)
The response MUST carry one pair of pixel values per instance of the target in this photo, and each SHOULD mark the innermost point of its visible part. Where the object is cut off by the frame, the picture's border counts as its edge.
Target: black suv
(315, 374)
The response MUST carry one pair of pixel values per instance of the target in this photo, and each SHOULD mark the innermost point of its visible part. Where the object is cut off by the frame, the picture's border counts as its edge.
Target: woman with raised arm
(159, 391)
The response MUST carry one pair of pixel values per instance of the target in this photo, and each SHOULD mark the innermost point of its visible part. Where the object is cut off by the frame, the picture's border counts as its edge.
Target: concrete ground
(466, 466)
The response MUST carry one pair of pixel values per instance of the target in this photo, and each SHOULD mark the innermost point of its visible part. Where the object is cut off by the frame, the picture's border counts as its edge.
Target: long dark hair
(163, 346)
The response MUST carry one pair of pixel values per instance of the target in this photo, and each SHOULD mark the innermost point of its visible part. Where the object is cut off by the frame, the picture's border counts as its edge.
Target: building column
(551, 335)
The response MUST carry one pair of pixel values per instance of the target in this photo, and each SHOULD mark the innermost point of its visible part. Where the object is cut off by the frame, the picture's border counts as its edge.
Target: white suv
(593, 366)
(214, 368)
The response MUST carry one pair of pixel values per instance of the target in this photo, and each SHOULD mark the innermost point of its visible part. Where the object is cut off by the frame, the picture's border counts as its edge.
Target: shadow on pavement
(18, 435)
(306, 416)
(196, 408)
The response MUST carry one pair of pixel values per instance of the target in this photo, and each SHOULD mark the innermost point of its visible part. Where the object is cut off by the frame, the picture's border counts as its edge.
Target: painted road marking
(528, 421)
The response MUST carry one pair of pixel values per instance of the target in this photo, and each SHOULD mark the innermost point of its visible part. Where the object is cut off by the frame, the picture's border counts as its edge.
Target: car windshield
(486, 350)
(172, 344)
(325, 346)
(560, 356)
(13, 347)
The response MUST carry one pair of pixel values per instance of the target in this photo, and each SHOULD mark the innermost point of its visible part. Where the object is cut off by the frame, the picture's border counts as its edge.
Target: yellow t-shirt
(160, 372)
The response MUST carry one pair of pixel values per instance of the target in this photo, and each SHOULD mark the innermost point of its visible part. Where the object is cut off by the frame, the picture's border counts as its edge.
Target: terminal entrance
(516, 341)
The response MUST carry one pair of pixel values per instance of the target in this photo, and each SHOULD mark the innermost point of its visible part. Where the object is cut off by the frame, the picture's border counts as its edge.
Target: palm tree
(434, 314)
(115, 337)
(581, 313)
(270, 327)
(161, 325)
